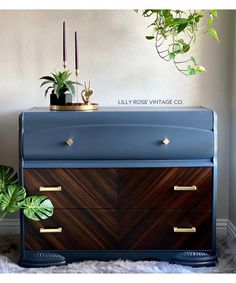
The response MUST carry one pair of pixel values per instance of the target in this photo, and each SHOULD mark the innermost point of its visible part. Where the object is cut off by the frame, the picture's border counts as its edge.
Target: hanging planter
(174, 33)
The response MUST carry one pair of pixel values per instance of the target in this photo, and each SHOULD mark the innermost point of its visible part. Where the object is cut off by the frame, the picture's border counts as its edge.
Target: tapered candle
(64, 44)
(76, 56)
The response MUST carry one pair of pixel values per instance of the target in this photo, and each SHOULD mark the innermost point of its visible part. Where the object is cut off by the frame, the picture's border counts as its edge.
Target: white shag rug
(226, 251)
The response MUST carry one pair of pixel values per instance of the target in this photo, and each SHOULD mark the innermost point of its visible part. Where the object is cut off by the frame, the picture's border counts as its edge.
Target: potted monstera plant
(13, 198)
(61, 86)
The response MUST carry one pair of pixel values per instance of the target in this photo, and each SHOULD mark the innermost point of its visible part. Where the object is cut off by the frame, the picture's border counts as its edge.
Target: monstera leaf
(10, 200)
(13, 197)
(7, 177)
(37, 207)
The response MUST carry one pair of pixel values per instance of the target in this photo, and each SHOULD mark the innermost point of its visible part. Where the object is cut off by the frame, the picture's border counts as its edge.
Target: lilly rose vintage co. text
(150, 101)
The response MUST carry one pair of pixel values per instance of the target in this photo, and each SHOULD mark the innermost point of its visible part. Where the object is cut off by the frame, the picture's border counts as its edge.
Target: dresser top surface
(128, 109)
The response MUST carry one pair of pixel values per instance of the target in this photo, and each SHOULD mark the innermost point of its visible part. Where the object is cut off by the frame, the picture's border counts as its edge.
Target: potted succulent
(13, 197)
(62, 88)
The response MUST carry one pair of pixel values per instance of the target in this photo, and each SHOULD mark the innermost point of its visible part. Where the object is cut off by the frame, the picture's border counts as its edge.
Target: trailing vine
(175, 31)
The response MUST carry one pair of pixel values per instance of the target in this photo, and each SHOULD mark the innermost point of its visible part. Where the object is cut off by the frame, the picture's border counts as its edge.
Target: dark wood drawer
(154, 229)
(122, 229)
(74, 229)
(169, 188)
(74, 188)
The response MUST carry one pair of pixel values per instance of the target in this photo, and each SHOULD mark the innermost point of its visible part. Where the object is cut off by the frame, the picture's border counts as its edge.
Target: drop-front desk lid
(118, 133)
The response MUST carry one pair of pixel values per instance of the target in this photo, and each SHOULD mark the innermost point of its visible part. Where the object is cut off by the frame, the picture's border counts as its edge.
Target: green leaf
(197, 17)
(75, 83)
(37, 207)
(57, 88)
(177, 48)
(70, 88)
(46, 91)
(181, 27)
(46, 82)
(181, 21)
(210, 21)
(213, 33)
(166, 13)
(200, 69)
(186, 48)
(48, 78)
(181, 41)
(172, 55)
(150, 37)
(64, 76)
(214, 13)
(11, 198)
(191, 71)
(57, 78)
(169, 21)
(7, 177)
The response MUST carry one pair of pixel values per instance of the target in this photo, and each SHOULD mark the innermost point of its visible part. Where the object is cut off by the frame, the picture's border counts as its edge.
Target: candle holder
(63, 89)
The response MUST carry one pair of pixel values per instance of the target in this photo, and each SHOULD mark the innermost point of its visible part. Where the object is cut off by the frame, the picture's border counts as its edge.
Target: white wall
(120, 63)
(232, 187)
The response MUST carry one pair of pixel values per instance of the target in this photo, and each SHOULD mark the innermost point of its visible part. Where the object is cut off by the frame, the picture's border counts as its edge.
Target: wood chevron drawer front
(123, 229)
(92, 188)
(123, 188)
(126, 183)
(165, 188)
(154, 229)
(80, 229)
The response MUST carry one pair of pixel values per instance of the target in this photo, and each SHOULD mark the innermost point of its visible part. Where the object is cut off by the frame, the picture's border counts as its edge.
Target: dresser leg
(195, 259)
(42, 259)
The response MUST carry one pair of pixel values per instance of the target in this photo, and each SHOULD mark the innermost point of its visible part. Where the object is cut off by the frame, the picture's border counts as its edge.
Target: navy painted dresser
(126, 183)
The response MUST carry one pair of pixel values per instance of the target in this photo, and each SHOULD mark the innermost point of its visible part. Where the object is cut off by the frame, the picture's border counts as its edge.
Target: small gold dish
(75, 107)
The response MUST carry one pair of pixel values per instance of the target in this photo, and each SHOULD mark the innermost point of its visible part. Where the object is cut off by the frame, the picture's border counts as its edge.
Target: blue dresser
(126, 183)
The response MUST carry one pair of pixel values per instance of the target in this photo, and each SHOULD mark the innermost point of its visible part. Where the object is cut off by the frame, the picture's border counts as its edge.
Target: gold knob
(166, 141)
(69, 141)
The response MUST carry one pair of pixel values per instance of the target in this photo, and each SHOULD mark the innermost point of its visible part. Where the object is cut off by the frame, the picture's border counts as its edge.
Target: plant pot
(63, 99)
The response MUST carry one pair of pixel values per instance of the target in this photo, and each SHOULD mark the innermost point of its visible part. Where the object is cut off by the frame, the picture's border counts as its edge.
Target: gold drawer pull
(51, 230)
(50, 189)
(185, 188)
(185, 230)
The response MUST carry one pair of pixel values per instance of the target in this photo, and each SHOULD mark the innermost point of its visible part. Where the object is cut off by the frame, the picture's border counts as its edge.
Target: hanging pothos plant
(175, 31)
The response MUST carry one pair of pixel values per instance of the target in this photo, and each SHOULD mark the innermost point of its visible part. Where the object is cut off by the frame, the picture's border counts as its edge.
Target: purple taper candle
(64, 44)
(76, 55)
